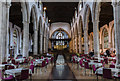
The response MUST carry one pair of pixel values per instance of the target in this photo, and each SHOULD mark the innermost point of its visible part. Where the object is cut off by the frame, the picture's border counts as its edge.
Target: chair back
(26, 61)
(86, 65)
(94, 69)
(13, 61)
(112, 66)
(24, 74)
(41, 57)
(106, 60)
(96, 61)
(88, 60)
(107, 73)
(114, 61)
(24, 57)
(43, 63)
(74, 60)
(4, 62)
(52, 59)
(47, 60)
(6, 67)
(81, 63)
(11, 67)
(32, 68)
(31, 62)
(101, 61)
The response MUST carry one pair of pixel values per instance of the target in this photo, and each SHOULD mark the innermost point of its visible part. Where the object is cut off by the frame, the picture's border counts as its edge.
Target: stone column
(7, 25)
(47, 44)
(80, 43)
(117, 30)
(44, 44)
(73, 44)
(35, 41)
(41, 42)
(1, 27)
(3, 30)
(96, 37)
(76, 43)
(85, 41)
(90, 44)
(52, 45)
(25, 38)
(20, 43)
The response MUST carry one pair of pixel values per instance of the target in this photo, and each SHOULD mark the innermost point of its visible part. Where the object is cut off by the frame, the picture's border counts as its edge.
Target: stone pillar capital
(25, 21)
(8, 5)
(119, 3)
(115, 4)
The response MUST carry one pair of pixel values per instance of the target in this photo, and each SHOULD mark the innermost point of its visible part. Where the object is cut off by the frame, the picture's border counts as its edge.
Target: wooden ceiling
(60, 11)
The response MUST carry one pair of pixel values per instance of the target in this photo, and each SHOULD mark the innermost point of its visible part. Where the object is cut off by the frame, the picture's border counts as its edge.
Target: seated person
(91, 53)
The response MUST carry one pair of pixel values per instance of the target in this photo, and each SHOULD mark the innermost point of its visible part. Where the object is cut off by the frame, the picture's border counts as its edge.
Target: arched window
(60, 40)
(105, 34)
(60, 34)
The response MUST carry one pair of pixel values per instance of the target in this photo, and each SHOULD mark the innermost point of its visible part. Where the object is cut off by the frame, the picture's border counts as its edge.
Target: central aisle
(61, 72)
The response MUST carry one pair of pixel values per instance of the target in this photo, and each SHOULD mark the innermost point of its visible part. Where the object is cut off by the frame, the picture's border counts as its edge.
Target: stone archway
(105, 39)
(88, 27)
(80, 34)
(17, 16)
(33, 30)
(40, 36)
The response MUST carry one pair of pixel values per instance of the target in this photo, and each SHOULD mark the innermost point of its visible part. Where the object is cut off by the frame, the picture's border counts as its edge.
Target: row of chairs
(85, 64)
(23, 76)
(44, 64)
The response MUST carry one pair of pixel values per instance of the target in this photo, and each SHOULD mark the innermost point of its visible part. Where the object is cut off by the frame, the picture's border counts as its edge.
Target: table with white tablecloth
(38, 61)
(114, 71)
(3, 65)
(20, 60)
(16, 72)
(96, 64)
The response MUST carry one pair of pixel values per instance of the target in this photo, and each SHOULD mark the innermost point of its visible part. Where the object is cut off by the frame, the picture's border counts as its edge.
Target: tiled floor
(80, 74)
(41, 75)
(63, 72)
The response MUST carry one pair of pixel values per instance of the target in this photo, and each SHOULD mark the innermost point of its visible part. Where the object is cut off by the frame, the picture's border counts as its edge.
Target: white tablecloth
(20, 60)
(3, 65)
(37, 61)
(96, 64)
(49, 58)
(16, 72)
(114, 71)
(78, 59)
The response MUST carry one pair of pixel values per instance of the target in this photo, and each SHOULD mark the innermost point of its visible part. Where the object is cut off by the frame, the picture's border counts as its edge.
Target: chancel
(59, 41)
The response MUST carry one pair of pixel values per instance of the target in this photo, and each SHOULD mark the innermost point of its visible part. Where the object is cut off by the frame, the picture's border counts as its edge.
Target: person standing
(108, 52)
